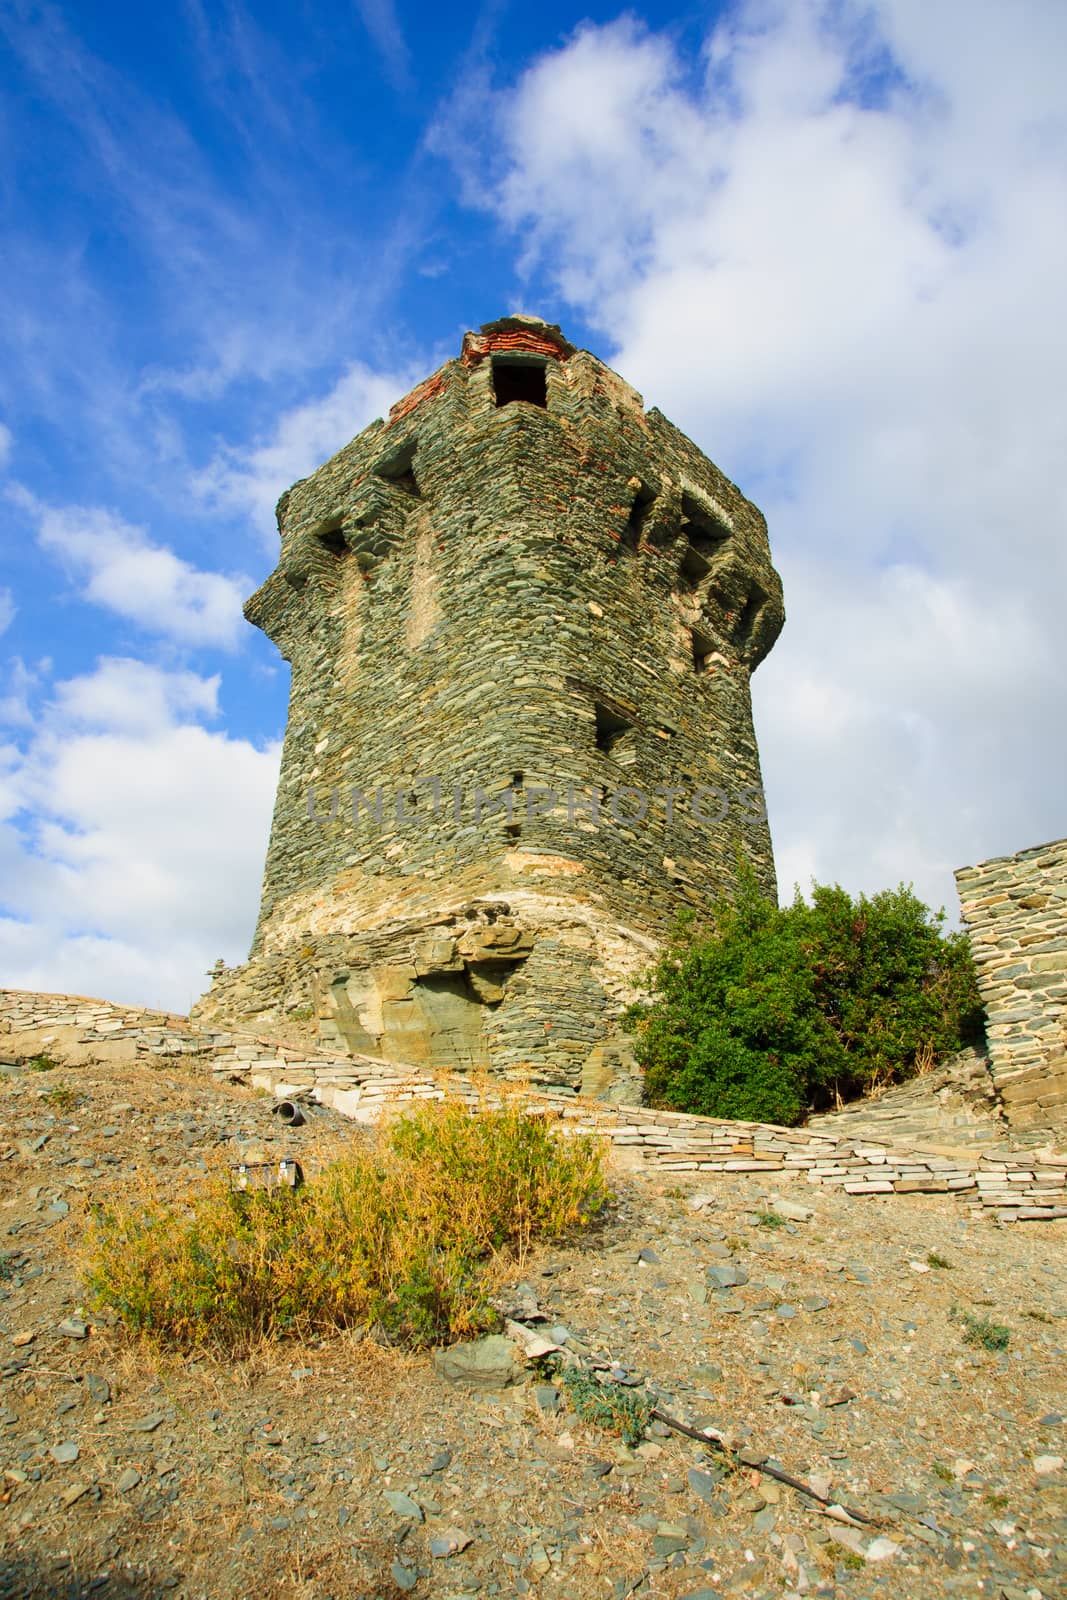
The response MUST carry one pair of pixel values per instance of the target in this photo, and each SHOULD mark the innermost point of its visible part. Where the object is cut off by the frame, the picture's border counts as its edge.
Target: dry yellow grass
(403, 1236)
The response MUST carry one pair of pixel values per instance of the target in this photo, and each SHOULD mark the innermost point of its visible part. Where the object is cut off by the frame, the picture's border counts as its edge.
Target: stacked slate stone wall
(1015, 911)
(1005, 1181)
(521, 637)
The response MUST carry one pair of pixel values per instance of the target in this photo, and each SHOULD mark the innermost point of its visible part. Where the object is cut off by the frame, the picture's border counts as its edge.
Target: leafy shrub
(404, 1237)
(770, 1011)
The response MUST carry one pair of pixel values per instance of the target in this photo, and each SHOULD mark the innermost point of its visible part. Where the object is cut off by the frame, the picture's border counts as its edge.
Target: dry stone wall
(522, 614)
(1010, 1182)
(1015, 911)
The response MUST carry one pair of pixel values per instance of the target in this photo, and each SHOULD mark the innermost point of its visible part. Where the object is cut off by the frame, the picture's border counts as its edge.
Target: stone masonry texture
(1015, 910)
(1021, 1181)
(521, 614)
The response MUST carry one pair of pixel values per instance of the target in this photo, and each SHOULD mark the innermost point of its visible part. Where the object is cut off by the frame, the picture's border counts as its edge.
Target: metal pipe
(288, 1112)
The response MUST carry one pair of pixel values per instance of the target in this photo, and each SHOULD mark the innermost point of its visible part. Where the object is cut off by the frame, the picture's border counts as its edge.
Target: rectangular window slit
(398, 467)
(615, 735)
(703, 647)
(747, 621)
(520, 380)
(333, 540)
(643, 501)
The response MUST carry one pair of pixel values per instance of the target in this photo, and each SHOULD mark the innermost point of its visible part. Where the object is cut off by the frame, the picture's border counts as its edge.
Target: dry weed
(402, 1237)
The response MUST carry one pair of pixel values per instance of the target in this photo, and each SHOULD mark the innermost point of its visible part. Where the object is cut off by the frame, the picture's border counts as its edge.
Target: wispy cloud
(212, 295)
(382, 24)
(7, 609)
(123, 570)
(22, 684)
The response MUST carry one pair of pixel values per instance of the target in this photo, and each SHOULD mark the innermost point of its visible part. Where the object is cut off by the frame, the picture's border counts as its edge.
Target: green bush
(405, 1237)
(770, 1011)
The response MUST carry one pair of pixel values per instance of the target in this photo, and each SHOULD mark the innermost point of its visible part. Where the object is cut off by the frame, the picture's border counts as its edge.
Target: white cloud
(7, 609)
(132, 839)
(250, 481)
(131, 696)
(15, 710)
(5, 445)
(380, 20)
(833, 251)
(146, 583)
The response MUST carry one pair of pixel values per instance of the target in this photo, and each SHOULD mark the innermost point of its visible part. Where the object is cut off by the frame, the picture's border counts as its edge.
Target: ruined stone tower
(521, 615)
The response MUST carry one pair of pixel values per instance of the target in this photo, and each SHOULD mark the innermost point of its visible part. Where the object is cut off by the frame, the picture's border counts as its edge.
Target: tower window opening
(614, 735)
(332, 539)
(513, 827)
(703, 647)
(643, 501)
(695, 564)
(520, 380)
(705, 535)
(399, 467)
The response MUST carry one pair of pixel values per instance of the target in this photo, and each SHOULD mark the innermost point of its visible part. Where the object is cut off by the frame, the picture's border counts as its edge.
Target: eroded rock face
(521, 613)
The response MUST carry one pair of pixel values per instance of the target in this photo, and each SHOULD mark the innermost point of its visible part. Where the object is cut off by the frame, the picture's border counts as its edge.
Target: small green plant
(769, 1219)
(933, 1259)
(301, 1014)
(607, 1405)
(846, 1558)
(981, 1331)
(407, 1237)
(944, 1473)
(41, 1063)
(996, 1502)
(60, 1095)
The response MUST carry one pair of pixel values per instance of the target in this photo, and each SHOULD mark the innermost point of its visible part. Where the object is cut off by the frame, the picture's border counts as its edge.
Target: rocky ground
(833, 1347)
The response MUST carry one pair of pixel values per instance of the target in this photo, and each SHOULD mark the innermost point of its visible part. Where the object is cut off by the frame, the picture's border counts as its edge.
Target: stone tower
(521, 615)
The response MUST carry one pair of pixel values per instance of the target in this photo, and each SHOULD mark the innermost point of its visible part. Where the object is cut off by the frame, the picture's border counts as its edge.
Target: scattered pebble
(403, 1505)
(677, 1292)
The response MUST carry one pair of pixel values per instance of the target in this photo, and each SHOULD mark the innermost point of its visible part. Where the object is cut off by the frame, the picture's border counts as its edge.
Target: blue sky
(828, 240)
